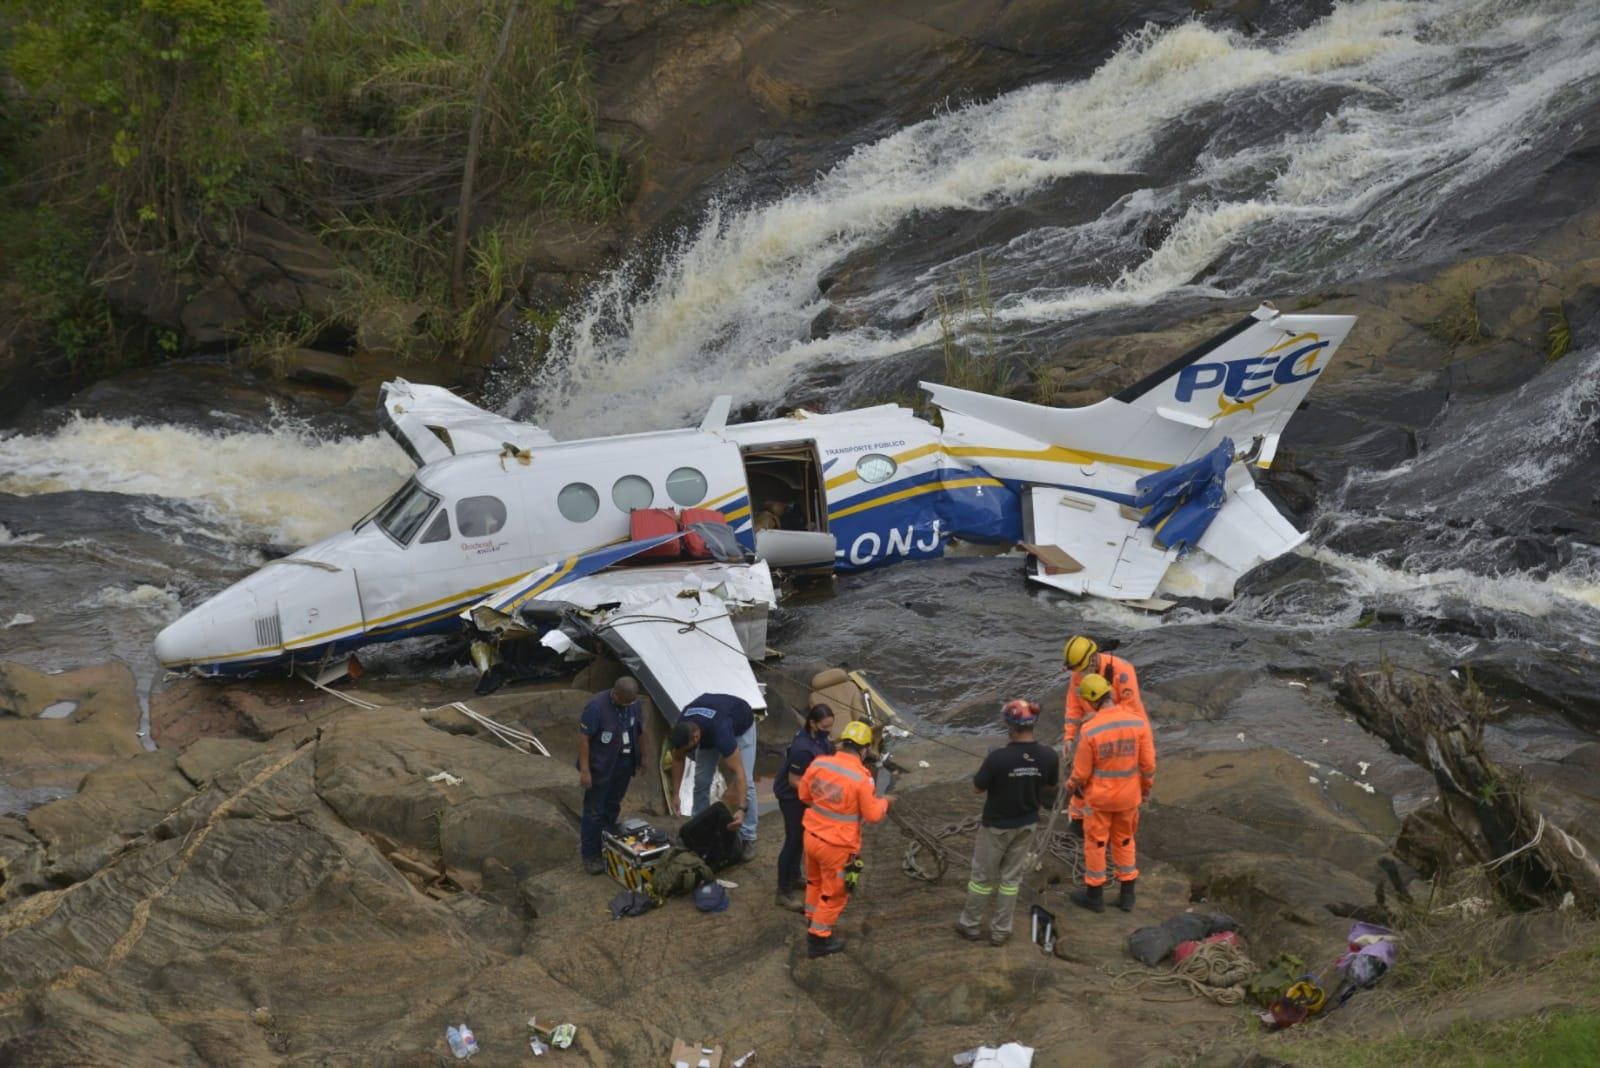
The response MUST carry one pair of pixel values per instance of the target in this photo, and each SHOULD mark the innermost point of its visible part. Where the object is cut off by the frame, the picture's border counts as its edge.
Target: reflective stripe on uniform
(1101, 874)
(981, 889)
(1113, 725)
(1131, 869)
(846, 772)
(1128, 774)
(832, 815)
(1010, 890)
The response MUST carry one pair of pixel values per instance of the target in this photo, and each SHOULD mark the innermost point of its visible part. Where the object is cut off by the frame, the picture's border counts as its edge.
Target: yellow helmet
(1079, 652)
(858, 732)
(1093, 687)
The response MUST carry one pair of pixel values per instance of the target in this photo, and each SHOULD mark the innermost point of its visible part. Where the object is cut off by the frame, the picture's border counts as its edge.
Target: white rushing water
(285, 485)
(1430, 98)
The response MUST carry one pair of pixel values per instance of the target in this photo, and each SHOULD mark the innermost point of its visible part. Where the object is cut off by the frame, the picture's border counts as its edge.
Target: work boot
(999, 938)
(788, 899)
(594, 865)
(1092, 898)
(747, 849)
(971, 934)
(822, 946)
(1125, 900)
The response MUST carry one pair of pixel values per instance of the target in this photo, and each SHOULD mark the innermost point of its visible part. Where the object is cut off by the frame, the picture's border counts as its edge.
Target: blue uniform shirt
(805, 748)
(721, 718)
(613, 732)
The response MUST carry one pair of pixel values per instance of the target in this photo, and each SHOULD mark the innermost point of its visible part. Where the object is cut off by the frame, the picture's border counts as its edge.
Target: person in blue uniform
(609, 752)
(809, 743)
(719, 727)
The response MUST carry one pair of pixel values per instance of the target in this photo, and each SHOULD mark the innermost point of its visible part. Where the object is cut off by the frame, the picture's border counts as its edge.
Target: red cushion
(694, 546)
(651, 523)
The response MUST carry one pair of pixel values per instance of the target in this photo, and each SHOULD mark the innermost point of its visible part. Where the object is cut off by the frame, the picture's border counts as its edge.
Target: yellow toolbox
(633, 852)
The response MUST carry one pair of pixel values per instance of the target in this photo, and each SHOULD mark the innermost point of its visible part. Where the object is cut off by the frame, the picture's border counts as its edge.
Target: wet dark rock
(1496, 368)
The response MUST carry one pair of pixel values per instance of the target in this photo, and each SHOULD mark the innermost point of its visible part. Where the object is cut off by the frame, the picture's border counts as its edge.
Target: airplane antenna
(717, 415)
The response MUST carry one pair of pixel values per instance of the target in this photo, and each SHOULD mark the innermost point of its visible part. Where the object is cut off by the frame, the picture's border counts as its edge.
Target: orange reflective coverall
(1114, 768)
(1124, 691)
(838, 792)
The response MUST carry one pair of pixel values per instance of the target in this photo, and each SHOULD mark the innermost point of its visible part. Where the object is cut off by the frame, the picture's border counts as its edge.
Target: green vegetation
(1543, 1040)
(1458, 325)
(145, 126)
(1557, 333)
(967, 333)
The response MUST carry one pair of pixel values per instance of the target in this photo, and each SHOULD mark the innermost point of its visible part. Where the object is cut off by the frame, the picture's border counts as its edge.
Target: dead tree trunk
(1531, 860)
(458, 262)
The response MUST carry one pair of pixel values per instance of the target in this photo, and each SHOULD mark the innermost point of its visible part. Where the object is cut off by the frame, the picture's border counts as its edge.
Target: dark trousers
(794, 848)
(602, 804)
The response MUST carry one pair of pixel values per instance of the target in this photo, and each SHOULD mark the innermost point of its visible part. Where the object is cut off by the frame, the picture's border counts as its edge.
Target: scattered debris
(446, 778)
(1240, 736)
(685, 1055)
(1010, 1055)
(21, 619)
(1362, 766)
(923, 764)
(1299, 685)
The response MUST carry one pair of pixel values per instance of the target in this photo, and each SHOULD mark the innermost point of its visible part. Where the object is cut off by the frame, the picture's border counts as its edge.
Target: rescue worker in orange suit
(1083, 657)
(1113, 770)
(839, 794)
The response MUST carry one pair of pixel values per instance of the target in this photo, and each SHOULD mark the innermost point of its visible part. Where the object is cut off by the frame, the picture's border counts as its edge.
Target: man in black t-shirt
(1017, 779)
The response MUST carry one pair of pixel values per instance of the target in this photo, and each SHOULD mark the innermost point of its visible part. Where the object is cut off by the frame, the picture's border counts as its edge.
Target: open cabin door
(788, 504)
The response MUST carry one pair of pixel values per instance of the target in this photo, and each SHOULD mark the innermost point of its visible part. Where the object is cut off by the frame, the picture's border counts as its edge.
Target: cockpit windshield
(402, 515)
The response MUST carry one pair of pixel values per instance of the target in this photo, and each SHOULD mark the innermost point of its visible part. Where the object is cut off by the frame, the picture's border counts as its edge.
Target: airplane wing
(683, 629)
(431, 423)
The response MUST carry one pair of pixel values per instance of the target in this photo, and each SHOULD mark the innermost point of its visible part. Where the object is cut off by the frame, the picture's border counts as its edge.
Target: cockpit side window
(405, 512)
(439, 529)
(477, 517)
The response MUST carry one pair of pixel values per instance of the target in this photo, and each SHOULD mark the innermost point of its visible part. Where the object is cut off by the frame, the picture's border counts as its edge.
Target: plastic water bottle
(468, 1040)
(452, 1035)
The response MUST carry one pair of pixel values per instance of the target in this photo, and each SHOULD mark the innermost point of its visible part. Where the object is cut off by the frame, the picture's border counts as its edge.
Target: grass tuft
(1557, 333)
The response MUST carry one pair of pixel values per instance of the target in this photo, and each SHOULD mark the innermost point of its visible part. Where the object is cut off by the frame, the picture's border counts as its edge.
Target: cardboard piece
(695, 1055)
(1055, 560)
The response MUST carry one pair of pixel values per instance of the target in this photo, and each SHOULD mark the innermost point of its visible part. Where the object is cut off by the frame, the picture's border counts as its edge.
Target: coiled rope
(1215, 970)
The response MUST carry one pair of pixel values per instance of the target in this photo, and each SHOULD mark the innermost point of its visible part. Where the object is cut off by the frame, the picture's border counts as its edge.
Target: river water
(1191, 167)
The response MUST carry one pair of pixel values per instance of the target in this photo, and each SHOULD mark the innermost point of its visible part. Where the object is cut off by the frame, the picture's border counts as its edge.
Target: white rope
(345, 697)
(1537, 834)
(515, 737)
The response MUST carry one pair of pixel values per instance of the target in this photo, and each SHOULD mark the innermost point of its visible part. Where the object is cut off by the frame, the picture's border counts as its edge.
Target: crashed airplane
(505, 531)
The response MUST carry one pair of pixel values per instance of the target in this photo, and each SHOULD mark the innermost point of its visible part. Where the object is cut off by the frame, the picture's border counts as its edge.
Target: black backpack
(709, 836)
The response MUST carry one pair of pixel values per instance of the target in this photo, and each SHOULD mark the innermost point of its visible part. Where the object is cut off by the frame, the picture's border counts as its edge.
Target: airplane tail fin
(1246, 381)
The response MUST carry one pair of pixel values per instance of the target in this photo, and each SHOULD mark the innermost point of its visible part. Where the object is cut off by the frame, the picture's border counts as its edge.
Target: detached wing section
(431, 423)
(682, 629)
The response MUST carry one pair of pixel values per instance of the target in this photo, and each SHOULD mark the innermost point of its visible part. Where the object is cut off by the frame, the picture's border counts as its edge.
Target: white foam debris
(1314, 780)
(158, 602)
(1299, 685)
(21, 619)
(8, 538)
(1362, 766)
(1368, 787)
(1240, 736)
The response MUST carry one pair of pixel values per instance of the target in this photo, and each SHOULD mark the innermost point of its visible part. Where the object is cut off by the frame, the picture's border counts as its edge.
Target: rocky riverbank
(290, 880)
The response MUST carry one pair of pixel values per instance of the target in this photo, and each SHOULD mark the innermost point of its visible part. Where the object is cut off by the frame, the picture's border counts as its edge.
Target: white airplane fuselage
(887, 485)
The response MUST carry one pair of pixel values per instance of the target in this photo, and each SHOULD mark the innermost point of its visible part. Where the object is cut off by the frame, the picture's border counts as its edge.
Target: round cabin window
(632, 491)
(686, 487)
(578, 502)
(876, 467)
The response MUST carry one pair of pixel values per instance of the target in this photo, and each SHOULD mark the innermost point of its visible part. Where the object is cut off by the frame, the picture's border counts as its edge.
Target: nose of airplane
(225, 629)
(183, 642)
